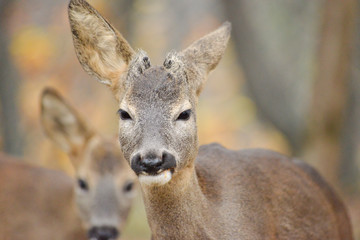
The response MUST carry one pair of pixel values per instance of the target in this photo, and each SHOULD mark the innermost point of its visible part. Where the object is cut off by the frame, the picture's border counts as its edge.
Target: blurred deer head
(104, 187)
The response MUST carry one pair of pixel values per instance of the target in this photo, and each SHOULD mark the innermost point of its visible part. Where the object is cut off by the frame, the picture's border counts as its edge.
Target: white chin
(157, 180)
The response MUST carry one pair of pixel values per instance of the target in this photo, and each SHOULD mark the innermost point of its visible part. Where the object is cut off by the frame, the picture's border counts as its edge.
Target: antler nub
(139, 63)
(174, 64)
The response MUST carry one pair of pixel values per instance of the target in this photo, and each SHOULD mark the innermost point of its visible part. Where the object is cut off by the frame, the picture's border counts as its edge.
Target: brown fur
(39, 204)
(214, 193)
(247, 194)
(36, 203)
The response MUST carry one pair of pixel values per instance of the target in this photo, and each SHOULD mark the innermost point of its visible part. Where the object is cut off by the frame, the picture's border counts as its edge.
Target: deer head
(157, 104)
(104, 182)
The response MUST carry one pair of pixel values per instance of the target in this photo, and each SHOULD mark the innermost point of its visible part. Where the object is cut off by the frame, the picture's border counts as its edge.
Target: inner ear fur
(101, 49)
(203, 55)
(62, 124)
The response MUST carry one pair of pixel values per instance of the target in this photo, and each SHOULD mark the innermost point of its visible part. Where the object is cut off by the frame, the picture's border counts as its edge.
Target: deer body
(38, 203)
(247, 194)
(211, 193)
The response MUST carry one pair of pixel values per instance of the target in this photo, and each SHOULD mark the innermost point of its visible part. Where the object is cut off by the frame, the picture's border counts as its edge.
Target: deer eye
(184, 116)
(128, 186)
(83, 184)
(124, 115)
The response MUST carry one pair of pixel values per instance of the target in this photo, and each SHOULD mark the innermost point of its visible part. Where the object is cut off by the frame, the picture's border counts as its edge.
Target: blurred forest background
(289, 80)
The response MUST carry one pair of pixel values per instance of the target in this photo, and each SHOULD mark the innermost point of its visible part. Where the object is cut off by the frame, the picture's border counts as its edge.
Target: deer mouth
(159, 171)
(162, 177)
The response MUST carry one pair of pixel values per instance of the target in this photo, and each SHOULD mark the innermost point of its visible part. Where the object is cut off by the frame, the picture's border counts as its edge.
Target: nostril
(169, 160)
(166, 156)
(136, 164)
(136, 158)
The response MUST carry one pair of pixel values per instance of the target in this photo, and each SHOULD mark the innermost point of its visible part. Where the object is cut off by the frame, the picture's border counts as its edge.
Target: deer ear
(100, 48)
(203, 55)
(62, 124)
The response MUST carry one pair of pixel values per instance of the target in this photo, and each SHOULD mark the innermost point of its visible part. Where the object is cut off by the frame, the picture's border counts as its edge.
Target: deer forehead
(101, 156)
(156, 88)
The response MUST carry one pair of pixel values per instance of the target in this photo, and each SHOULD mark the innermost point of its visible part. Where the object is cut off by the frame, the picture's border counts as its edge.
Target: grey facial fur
(156, 97)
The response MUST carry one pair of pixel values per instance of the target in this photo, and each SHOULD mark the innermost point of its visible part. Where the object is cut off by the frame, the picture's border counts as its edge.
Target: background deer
(38, 203)
(208, 192)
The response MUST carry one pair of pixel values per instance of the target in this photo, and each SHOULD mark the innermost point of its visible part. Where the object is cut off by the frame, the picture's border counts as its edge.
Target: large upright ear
(203, 55)
(100, 48)
(62, 124)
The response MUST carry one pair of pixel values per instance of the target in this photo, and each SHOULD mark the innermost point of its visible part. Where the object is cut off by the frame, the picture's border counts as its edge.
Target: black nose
(103, 233)
(152, 163)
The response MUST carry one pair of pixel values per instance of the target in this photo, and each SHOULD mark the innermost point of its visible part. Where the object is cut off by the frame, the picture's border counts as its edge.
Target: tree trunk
(12, 141)
(350, 169)
(331, 89)
(275, 45)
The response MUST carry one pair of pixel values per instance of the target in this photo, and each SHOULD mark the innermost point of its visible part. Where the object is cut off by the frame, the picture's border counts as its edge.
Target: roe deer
(38, 203)
(208, 192)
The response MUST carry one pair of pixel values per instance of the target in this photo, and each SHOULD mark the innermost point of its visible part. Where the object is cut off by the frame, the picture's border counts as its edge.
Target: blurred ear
(62, 123)
(100, 48)
(203, 55)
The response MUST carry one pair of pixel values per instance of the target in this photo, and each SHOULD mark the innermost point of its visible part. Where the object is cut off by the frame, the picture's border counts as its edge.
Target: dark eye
(83, 184)
(185, 115)
(128, 186)
(124, 115)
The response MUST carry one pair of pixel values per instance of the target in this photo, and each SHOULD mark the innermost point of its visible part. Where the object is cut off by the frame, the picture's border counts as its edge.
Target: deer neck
(70, 214)
(177, 204)
(61, 202)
